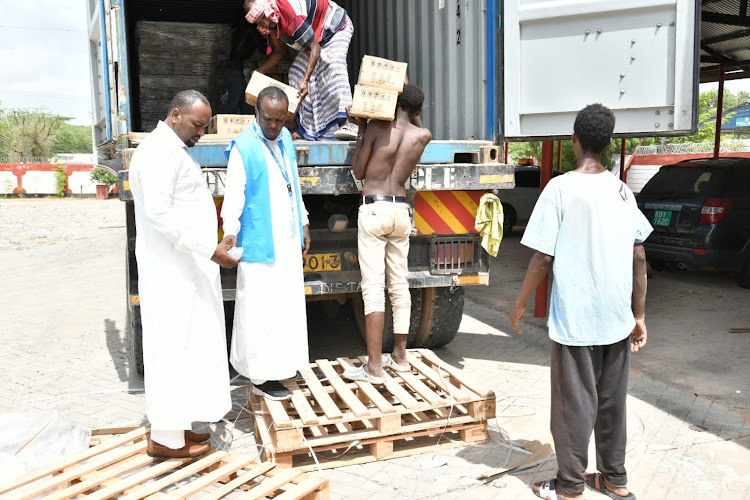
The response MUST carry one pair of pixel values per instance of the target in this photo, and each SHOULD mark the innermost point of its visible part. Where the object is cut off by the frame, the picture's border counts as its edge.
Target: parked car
(519, 202)
(700, 210)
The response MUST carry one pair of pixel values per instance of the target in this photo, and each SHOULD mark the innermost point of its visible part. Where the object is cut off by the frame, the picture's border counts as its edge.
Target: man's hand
(306, 238)
(303, 90)
(353, 119)
(638, 335)
(221, 254)
(516, 315)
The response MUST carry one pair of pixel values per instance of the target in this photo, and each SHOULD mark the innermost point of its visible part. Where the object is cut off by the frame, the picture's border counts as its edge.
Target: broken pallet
(119, 466)
(346, 422)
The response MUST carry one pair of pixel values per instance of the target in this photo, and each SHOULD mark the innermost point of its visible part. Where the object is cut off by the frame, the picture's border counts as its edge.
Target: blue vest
(256, 230)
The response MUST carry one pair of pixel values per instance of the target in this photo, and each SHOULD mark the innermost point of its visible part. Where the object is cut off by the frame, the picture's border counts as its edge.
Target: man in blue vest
(264, 215)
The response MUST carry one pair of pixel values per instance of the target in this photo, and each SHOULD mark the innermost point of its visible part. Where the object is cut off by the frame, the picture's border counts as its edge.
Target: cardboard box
(229, 124)
(259, 81)
(374, 103)
(382, 73)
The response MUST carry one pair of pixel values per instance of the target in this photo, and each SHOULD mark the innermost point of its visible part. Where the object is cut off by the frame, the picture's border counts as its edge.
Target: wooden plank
(432, 358)
(306, 487)
(371, 392)
(74, 473)
(268, 486)
(354, 404)
(246, 477)
(71, 461)
(304, 410)
(137, 479)
(394, 387)
(330, 409)
(455, 392)
(113, 430)
(278, 413)
(151, 488)
(206, 480)
(123, 467)
(431, 396)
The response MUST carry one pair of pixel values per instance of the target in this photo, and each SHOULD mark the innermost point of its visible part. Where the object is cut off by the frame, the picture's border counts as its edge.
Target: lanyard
(282, 166)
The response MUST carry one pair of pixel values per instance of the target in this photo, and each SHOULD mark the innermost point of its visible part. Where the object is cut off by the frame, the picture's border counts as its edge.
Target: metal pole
(559, 156)
(623, 175)
(540, 300)
(719, 112)
(506, 152)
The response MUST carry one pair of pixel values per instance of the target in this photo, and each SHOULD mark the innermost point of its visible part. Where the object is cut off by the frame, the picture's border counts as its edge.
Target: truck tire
(442, 310)
(388, 339)
(509, 219)
(135, 339)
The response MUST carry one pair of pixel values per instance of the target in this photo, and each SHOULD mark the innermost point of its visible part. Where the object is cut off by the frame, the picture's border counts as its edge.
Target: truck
(492, 71)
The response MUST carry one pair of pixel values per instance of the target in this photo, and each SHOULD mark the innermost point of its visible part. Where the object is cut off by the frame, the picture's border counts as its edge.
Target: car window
(527, 178)
(739, 184)
(687, 181)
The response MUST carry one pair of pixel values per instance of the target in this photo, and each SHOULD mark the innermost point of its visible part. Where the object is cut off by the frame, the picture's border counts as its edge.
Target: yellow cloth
(489, 222)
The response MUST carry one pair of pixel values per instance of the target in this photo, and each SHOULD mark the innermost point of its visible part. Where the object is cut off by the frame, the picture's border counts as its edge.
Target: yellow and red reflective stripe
(446, 212)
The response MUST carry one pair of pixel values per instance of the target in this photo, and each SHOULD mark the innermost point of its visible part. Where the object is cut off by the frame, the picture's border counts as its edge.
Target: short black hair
(187, 99)
(273, 93)
(411, 99)
(594, 126)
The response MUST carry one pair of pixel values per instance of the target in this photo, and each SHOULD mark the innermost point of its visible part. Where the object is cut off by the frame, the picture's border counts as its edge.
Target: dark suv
(700, 210)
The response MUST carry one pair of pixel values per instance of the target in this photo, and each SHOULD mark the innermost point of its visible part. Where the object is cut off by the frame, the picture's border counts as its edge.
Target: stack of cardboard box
(380, 83)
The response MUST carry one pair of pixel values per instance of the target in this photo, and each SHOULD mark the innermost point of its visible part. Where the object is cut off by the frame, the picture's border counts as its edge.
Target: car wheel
(744, 277)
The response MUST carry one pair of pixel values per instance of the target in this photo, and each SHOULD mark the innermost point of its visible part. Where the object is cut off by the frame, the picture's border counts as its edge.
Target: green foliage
(103, 176)
(73, 139)
(707, 105)
(28, 133)
(61, 181)
(33, 133)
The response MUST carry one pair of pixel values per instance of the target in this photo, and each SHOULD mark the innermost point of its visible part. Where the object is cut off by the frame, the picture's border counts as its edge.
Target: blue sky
(44, 58)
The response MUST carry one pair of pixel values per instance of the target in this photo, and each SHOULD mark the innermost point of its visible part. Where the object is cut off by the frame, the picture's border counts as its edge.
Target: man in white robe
(264, 214)
(184, 340)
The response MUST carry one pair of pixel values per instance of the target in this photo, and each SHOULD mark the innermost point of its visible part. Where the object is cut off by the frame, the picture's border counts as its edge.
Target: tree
(35, 133)
(28, 133)
(73, 139)
(708, 103)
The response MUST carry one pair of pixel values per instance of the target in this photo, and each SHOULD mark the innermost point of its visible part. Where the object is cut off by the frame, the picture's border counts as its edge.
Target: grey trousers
(589, 389)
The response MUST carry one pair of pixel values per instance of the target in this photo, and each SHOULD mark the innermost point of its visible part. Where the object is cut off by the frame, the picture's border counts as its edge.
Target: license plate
(662, 218)
(322, 262)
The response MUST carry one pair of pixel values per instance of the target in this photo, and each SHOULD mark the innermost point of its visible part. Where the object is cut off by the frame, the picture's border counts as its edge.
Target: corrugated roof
(725, 39)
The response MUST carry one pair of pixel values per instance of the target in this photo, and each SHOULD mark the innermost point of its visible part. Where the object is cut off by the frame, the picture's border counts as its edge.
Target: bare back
(395, 148)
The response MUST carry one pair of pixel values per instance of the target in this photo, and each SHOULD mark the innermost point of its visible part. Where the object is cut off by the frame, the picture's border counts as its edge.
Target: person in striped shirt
(321, 31)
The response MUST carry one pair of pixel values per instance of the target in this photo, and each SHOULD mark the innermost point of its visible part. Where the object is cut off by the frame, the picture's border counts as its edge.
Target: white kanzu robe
(269, 339)
(184, 340)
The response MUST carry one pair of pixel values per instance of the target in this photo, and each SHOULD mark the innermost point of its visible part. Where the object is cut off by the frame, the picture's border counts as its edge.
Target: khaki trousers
(383, 246)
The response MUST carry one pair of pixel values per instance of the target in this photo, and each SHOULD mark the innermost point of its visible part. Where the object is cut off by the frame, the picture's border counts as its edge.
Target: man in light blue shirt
(587, 228)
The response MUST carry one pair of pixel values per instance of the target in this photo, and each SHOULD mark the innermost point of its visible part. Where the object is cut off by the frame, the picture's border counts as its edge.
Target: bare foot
(621, 491)
(560, 493)
(400, 357)
(375, 370)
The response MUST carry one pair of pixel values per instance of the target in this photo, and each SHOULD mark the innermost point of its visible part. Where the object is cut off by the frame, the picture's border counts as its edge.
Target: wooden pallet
(119, 466)
(347, 422)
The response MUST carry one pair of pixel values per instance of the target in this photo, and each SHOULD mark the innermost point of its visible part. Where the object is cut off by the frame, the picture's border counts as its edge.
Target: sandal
(596, 483)
(546, 490)
(389, 362)
(359, 374)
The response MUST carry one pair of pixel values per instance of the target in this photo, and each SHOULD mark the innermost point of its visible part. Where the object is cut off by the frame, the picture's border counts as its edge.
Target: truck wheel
(442, 309)
(509, 219)
(744, 276)
(135, 339)
(388, 340)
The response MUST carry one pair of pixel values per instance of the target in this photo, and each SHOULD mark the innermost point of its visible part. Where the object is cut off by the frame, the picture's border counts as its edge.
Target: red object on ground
(102, 191)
